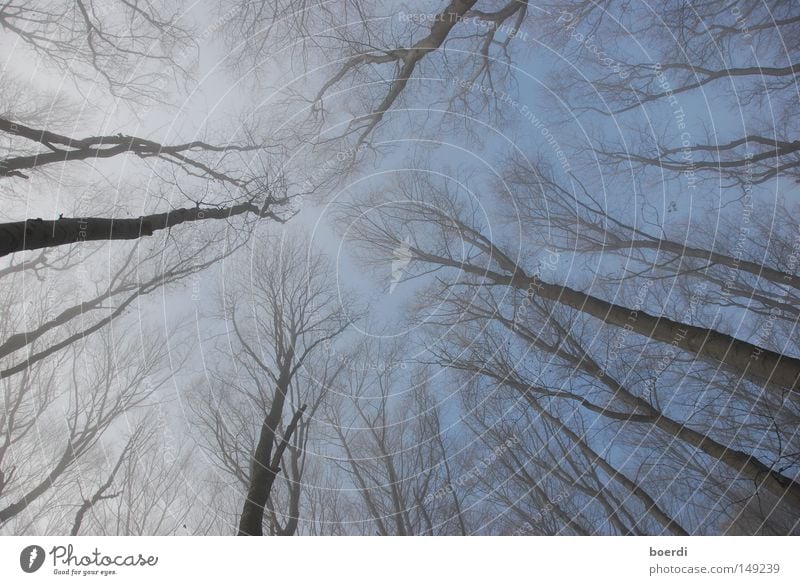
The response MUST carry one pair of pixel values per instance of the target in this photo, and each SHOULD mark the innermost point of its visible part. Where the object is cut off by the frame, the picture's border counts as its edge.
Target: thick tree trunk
(740, 356)
(744, 358)
(33, 234)
(262, 474)
(266, 464)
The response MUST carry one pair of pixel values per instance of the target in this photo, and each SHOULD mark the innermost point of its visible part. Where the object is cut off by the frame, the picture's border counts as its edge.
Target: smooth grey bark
(744, 358)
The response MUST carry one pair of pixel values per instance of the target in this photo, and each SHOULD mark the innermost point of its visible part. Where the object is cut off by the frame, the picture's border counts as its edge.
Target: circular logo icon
(31, 558)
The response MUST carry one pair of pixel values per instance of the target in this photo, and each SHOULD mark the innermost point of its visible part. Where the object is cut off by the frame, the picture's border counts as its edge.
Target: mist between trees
(466, 267)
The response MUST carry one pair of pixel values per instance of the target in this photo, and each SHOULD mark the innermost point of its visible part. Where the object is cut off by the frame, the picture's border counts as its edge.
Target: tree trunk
(262, 475)
(782, 486)
(740, 356)
(649, 503)
(265, 465)
(33, 234)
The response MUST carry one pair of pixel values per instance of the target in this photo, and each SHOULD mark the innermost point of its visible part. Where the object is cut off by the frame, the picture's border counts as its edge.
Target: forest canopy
(435, 267)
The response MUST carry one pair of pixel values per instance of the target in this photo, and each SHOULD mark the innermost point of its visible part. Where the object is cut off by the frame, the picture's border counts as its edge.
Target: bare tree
(644, 382)
(285, 324)
(130, 47)
(103, 492)
(480, 283)
(437, 219)
(576, 221)
(487, 355)
(96, 391)
(393, 448)
(375, 53)
(245, 190)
